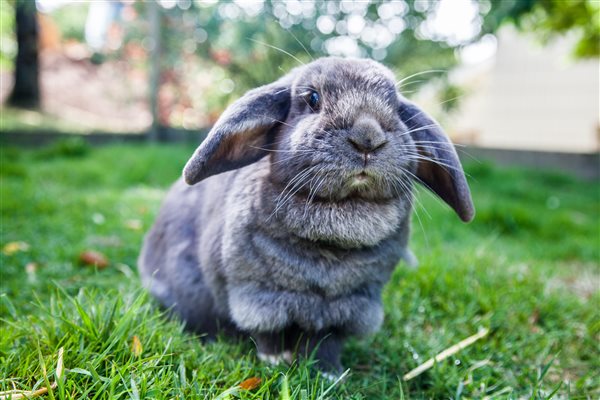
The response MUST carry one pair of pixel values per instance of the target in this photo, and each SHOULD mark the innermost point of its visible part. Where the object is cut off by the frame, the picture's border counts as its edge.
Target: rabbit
(294, 211)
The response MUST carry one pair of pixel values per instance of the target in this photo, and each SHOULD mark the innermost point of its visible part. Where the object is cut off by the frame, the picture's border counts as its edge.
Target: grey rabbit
(294, 211)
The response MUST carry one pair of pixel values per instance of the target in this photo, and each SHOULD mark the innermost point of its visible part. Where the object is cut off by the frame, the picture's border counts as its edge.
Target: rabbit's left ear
(244, 132)
(438, 167)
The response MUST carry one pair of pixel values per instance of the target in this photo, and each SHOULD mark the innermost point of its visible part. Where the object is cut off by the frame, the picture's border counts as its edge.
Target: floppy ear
(243, 133)
(439, 168)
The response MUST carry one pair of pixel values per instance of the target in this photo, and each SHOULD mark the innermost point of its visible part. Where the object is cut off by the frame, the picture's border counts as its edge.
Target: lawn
(527, 268)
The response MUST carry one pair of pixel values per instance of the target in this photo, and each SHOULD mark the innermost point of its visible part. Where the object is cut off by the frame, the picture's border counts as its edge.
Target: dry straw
(28, 394)
(445, 354)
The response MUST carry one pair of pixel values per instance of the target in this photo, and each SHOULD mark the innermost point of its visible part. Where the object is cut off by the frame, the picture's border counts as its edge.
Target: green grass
(527, 268)
(17, 120)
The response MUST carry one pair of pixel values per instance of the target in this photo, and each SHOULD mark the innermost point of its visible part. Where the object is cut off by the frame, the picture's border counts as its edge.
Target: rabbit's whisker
(417, 179)
(421, 157)
(299, 155)
(405, 191)
(410, 195)
(312, 193)
(449, 151)
(316, 176)
(419, 73)
(297, 186)
(410, 83)
(282, 197)
(278, 49)
(279, 151)
(451, 99)
(413, 117)
(298, 176)
(286, 159)
(301, 44)
(278, 121)
(311, 187)
(426, 146)
(423, 145)
(417, 129)
(438, 142)
(411, 200)
(282, 90)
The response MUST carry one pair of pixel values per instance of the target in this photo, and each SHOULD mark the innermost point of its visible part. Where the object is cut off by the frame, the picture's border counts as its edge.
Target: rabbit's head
(336, 129)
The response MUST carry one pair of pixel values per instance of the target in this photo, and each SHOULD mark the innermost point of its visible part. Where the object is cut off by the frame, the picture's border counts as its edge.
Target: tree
(254, 42)
(26, 89)
(551, 18)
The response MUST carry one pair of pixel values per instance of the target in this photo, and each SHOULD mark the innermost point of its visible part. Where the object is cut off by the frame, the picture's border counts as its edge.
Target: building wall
(531, 96)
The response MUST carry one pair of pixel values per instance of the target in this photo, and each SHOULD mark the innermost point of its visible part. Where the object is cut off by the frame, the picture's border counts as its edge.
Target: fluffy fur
(299, 213)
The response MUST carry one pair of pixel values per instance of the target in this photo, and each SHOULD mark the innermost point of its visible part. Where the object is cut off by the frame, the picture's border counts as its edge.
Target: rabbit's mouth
(361, 179)
(364, 184)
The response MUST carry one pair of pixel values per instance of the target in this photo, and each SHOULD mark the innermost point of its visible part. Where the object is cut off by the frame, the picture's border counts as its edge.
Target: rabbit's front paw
(410, 259)
(334, 377)
(276, 359)
(271, 348)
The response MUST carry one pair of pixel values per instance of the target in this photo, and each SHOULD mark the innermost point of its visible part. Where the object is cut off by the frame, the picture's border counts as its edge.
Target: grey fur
(309, 213)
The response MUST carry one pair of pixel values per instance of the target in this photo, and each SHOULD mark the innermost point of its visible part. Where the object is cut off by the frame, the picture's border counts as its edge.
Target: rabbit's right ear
(439, 167)
(244, 132)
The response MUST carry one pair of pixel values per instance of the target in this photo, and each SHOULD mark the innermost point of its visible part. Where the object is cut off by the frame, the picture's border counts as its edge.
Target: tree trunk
(26, 90)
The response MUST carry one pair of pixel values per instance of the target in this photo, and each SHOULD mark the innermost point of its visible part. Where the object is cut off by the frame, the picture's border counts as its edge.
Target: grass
(17, 120)
(527, 268)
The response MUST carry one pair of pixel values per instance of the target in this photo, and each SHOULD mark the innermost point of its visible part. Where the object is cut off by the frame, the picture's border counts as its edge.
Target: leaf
(15, 247)
(9, 305)
(136, 346)
(250, 383)
(93, 258)
(80, 371)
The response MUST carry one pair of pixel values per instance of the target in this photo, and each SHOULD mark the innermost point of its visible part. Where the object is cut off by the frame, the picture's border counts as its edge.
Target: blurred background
(499, 75)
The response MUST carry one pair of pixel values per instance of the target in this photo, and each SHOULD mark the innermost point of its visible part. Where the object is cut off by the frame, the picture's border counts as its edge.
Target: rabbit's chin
(365, 186)
(352, 223)
(358, 217)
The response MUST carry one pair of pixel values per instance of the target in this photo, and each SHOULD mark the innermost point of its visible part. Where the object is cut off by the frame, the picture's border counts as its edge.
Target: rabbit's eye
(314, 100)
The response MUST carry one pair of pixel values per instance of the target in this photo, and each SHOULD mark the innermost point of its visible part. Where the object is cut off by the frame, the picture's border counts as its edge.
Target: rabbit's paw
(410, 259)
(334, 377)
(276, 359)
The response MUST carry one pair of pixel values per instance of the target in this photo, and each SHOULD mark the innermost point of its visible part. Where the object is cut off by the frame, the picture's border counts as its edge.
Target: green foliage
(8, 50)
(525, 268)
(556, 17)
(71, 20)
(551, 18)
(74, 146)
(254, 48)
(16, 120)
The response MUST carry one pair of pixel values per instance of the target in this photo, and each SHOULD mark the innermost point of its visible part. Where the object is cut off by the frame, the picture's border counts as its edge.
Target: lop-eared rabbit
(294, 211)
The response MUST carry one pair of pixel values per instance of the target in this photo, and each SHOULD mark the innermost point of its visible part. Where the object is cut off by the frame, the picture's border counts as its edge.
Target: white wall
(531, 96)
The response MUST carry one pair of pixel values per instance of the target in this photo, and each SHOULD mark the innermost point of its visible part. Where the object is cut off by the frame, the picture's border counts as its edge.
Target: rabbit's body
(307, 213)
(266, 271)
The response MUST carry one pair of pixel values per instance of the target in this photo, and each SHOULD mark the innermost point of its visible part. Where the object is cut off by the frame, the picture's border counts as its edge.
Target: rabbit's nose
(366, 136)
(366, 145)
